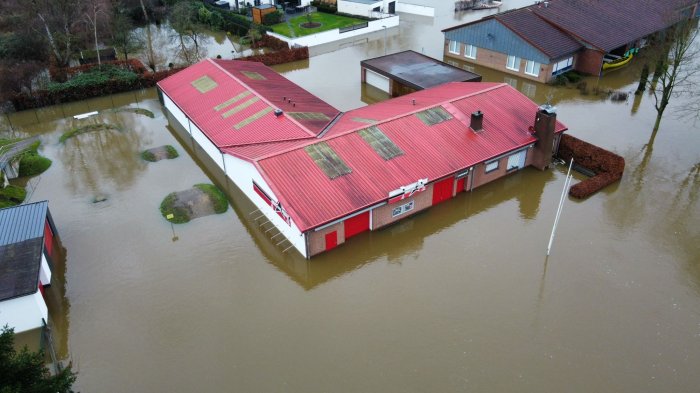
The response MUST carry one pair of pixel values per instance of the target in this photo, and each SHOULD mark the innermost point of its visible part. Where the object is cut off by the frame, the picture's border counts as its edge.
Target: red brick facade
(589, 61)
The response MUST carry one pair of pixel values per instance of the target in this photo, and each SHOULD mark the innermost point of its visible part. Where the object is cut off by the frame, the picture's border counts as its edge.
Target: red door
(356, 225)
(331, 240)
(442, 190)
(48, 239)
(460, 184)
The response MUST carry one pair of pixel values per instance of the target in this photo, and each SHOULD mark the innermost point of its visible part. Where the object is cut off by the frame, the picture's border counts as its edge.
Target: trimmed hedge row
(607, 166)
(284, 56)
(268, 41)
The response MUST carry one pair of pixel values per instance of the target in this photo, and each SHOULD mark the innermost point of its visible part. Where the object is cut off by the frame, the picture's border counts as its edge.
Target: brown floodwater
(458, 298)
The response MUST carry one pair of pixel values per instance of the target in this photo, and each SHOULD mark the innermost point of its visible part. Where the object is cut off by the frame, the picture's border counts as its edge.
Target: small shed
(90, 56)
(405, 72)
(259, 12)
(26, 247)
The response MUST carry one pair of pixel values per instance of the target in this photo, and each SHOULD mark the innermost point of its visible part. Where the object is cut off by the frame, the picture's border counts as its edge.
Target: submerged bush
(217, 197)
(12, 196)
(32, 163)
(167, 207)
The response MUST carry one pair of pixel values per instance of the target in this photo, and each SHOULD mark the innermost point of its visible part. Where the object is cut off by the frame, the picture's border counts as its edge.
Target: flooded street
(458, 298)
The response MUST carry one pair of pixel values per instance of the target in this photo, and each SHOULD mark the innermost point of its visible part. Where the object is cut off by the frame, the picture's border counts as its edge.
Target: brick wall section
(381, 216)
(480, 177)
(589, 61)
(497, 61)
(317, 240)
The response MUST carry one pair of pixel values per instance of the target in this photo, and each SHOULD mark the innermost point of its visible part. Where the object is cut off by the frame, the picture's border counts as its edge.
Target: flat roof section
(418, 71)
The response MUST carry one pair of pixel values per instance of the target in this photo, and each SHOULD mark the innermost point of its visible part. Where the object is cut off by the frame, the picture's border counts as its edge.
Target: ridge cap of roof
(378, 123)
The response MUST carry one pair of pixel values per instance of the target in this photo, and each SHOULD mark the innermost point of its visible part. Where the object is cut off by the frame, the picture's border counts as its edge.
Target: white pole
(567, 182)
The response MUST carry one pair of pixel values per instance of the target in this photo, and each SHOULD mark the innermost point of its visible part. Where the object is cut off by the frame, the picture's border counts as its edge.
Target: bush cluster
(274, 43)
(272, 18)
(607, 166)
(280, 57)
(76, 91)
(12, 196)
(322, 6)
(31, 163)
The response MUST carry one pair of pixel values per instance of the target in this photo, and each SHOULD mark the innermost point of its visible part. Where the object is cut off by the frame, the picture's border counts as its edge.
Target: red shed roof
(233, 103)
(430, 151)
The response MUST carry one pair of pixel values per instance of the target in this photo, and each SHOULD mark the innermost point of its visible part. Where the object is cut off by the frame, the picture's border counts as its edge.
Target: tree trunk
(643, 80)
(149, 40)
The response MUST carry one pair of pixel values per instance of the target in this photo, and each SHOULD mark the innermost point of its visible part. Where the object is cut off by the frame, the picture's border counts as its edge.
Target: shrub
(172, 153)
(274, 43)
(180, 215)
(573, 76)
(217, 197)
(327, 8)
(280, 57)
(607, 166)
(12, 196)
(96, 76)
(148, 155)
(31, 164)
(272, 18)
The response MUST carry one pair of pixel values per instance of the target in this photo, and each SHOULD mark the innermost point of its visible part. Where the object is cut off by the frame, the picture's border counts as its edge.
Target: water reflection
(99, 160)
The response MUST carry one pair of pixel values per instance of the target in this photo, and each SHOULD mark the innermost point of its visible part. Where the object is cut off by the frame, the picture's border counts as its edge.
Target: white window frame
(453, 47)
(470, 51)
(399, 210)
(515, 63)
(491, 166)
(562, 65)
(532, 68)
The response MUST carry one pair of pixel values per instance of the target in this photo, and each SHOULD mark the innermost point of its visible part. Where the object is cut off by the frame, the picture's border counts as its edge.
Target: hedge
(607, 166)
(274, 43)
(280, 57)
(76, 91)
(32, 163)
(322, 6)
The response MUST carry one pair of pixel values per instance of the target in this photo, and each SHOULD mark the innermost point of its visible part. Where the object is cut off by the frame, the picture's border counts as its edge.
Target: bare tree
(60, 22)
(183, 20)
(678, 71)
(96, 12)
(124, 39)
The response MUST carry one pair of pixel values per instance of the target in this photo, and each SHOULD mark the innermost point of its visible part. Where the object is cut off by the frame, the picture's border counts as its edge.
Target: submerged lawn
(327, 21)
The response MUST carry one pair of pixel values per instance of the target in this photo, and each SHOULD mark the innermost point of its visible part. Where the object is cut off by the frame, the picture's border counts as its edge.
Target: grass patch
(139, 111)
(167, 207)
(148, 156)
(172, 152)
(12, 196)
(31, 163)
(327, 21)
(88, 128)
(218, 198)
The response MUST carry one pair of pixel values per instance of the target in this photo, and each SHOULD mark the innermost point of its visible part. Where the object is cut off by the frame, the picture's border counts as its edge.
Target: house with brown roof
(318, 176)
(548, 38)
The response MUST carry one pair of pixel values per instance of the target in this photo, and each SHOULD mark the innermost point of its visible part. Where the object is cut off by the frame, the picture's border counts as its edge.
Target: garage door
(376, 80)
(442, 190)
(356, 225)
(517, 160)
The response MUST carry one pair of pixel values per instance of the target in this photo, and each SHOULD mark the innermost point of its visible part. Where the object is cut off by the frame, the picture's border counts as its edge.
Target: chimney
(278, 112)
(477, 121)
(545, 123)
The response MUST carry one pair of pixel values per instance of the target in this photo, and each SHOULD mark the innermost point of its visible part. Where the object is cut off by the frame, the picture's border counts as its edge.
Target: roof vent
(278, 112)
(477, 121)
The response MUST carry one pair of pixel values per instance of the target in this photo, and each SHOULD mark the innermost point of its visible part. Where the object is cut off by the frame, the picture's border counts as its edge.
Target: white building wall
(242, 173)
(24, 313)
(352, 8)
(416, 9)
(44, 271)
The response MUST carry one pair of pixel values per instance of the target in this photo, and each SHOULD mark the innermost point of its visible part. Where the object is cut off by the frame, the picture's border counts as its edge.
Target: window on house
(470, 51)
(491, 166)
(454, 47)
(532, 68)
(513, 63)
(399, 210)
(562, 66)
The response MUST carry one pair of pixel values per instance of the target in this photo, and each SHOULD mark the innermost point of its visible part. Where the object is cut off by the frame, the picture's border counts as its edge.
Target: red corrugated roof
(312, 198)
(268, 90)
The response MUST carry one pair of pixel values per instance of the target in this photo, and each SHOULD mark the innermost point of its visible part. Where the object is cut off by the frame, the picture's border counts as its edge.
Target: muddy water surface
(458, 298)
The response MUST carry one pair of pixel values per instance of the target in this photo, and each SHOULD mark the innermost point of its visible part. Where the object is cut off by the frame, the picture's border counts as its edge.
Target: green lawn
(328, 22)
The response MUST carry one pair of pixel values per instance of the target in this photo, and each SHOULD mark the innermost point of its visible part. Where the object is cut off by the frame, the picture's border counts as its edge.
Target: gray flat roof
(21, 244)
(417, 70)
